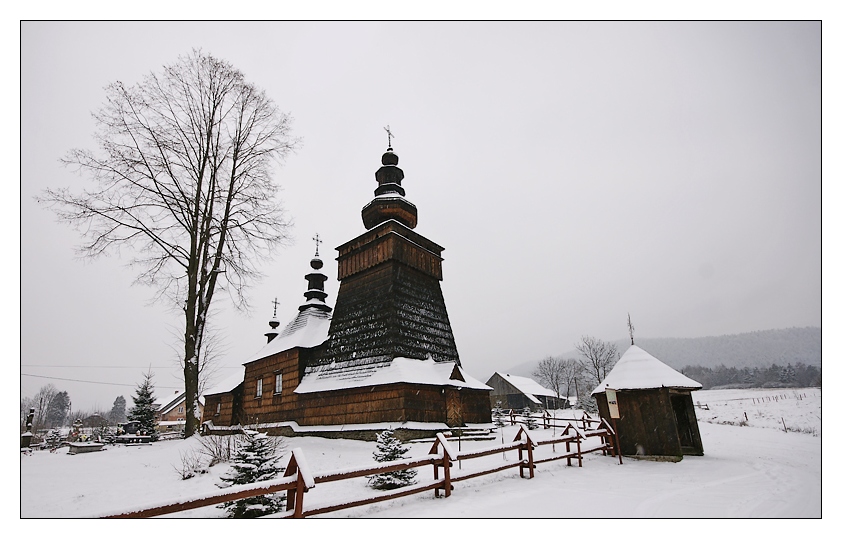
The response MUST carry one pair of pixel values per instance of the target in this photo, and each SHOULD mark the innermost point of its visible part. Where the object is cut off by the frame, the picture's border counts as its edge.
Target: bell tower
(390, 302)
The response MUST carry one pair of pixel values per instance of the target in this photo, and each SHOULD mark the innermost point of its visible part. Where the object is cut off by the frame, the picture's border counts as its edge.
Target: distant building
(518, 392)
(170, 411)
(657, 418)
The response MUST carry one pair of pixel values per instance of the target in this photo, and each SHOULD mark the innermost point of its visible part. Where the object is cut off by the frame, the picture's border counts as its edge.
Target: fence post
(446, 463)
(299, 498)
(528, 441)
(292, 468)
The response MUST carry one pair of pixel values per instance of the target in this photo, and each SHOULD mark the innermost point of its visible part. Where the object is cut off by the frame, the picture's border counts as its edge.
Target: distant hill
(755, 349)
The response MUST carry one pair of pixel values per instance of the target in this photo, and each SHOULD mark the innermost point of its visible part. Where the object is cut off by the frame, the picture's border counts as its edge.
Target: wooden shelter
(657, 419)
(518, 392)
(385, 356)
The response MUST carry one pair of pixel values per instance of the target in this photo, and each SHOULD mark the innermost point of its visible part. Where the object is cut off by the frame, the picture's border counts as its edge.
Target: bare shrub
(219, 448)
(191, 465)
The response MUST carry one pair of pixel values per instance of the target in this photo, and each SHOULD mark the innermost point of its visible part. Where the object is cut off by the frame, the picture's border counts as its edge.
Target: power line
(99, 366)
(93, 382)
(113, 366)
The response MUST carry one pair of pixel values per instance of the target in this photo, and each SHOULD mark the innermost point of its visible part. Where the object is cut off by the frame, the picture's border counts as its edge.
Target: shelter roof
(398, 370)
(638, 369)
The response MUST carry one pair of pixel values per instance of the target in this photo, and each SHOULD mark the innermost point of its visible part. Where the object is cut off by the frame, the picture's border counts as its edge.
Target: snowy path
(744, 473)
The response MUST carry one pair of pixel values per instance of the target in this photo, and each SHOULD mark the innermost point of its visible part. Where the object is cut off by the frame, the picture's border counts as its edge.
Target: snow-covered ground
(756, 470)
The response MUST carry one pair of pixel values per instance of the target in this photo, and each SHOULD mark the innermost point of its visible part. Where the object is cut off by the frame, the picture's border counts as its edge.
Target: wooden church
(657, 419)
(384, 356)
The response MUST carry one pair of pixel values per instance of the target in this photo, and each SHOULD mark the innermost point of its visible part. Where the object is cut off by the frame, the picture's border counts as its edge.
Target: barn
(518, 392)
(657, 419)
(384, 356)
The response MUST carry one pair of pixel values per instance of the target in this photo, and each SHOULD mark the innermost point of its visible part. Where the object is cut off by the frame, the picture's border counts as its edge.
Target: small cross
(318, 241)
(275, 313)
(389, 132)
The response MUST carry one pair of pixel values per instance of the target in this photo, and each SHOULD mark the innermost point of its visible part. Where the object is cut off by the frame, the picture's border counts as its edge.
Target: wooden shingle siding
(390, 311)
(648, 426)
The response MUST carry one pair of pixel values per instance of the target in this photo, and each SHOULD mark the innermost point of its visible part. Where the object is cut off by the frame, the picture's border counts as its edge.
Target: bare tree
(572, 372)
(549, 373)
(183, 182)
(558, 374)
(599, 355)
(41, 403)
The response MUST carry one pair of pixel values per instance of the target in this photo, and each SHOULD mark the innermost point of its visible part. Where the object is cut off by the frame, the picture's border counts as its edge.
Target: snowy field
(755, 470)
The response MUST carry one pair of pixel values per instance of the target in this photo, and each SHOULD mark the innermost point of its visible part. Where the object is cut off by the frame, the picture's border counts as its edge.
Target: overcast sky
(574, 173)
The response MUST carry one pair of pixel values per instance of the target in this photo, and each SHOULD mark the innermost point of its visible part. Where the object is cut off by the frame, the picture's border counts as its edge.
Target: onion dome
(273, 324)
(315, 293)
(389, 201)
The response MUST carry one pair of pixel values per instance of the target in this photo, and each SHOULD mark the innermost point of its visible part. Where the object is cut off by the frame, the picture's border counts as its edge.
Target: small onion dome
(315, 294)
(273, 323)
(389, 158)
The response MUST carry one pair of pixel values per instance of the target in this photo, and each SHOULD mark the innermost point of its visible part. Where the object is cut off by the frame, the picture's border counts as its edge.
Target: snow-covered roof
(307, 329)
(399, 370)
(165, 403)
(527, 386)
(638, 369)
(168, 402)
(228, 384)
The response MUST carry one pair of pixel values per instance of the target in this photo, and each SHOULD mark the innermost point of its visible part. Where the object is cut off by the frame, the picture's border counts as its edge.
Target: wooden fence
(549, 421)
(298, 479)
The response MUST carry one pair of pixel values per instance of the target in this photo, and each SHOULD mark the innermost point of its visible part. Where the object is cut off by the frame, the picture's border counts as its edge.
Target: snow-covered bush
(531, 422)
(497, 416)
(389, 448)
(256, 459)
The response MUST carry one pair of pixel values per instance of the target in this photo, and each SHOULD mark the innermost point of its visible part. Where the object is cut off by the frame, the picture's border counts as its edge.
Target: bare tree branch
(599, 355)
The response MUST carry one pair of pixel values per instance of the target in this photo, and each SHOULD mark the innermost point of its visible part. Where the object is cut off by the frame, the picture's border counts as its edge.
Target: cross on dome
(389, 133)
(318, 241)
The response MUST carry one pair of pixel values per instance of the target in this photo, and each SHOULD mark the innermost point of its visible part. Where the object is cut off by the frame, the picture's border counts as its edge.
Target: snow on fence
(298, 479)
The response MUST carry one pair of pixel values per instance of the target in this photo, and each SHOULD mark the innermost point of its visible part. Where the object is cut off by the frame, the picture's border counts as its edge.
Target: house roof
(399, 370)
(166, 403)
(638, 369)
(527, 386)
(306, 330)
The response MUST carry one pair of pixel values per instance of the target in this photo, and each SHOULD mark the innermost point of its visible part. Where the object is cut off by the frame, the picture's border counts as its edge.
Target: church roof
(399, 370)
(306, 330)
(638, 369)
(228, 384)
(527, 386)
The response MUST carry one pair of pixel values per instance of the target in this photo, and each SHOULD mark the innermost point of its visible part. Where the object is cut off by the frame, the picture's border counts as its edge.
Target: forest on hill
(738, 358)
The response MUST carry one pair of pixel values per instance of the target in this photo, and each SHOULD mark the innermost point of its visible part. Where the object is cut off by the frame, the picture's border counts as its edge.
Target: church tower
(390, 303)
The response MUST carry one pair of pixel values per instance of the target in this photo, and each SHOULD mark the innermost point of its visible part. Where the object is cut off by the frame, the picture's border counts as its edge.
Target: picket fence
(298, 478)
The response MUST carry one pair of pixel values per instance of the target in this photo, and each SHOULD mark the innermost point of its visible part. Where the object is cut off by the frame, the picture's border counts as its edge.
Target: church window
(278, 384)
(259, 388)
